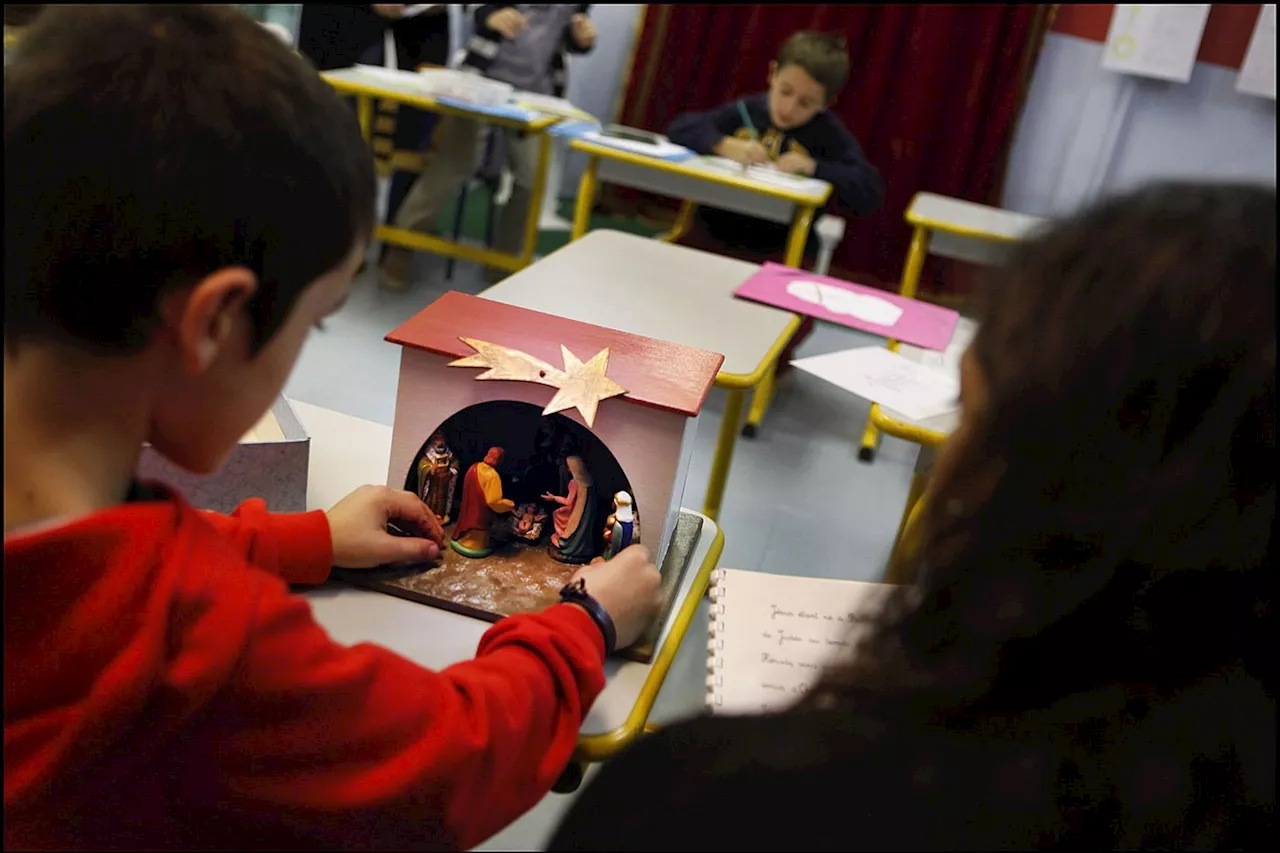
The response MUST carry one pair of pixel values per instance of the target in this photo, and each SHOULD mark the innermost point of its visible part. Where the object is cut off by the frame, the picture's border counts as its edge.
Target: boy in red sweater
(162, 689)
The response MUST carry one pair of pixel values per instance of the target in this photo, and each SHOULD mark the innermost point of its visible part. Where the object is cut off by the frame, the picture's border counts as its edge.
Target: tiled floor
(798, 501)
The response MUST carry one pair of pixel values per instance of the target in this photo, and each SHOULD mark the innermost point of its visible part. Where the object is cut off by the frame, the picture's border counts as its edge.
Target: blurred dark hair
(1096, 580)
(148, 146)
(17, 15)
(822, 56)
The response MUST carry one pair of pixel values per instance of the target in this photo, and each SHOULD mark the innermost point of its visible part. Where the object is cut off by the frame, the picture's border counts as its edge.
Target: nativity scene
(541, 444)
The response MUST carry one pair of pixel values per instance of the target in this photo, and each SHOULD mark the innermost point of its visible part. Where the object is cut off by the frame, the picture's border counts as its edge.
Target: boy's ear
(201, 321)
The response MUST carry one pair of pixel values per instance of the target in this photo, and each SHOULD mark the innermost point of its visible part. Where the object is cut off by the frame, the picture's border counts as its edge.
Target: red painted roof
(655, 373)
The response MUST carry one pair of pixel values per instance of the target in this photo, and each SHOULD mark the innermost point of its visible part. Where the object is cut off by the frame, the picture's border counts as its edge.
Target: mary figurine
(575, 522)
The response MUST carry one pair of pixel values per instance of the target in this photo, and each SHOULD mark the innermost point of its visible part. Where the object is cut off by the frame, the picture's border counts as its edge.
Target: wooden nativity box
(539, 441)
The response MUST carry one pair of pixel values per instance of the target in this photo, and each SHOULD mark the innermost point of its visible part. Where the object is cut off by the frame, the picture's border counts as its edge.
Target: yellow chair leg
(724, 453)
(684, 219)
(911, 271)
(760, 401)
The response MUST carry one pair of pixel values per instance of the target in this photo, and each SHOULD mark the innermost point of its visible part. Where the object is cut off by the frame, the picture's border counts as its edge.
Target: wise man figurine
(437, 477)
(620, 527)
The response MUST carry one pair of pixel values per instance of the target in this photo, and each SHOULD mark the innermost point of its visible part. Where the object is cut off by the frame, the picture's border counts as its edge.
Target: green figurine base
(474, 554)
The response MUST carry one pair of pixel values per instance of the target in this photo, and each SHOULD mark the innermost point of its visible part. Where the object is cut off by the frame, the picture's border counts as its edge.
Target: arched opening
(535, 463)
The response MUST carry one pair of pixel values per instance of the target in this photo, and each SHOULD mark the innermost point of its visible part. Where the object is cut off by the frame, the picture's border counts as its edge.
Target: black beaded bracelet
(575, 592)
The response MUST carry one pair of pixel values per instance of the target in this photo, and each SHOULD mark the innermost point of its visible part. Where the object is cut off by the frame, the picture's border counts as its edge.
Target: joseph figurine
(481, 500)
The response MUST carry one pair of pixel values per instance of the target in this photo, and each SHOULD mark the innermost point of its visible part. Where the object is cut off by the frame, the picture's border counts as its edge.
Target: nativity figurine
(620, 527)
(482, 502)
(437, 477)
(574, 539)
(527, 522)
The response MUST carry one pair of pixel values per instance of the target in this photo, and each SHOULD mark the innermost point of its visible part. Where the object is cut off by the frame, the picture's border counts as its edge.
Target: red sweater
(162, 689)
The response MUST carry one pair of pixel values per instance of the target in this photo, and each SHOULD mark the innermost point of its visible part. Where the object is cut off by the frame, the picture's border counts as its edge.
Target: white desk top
(348, 452)
(966, 218)
(411, 88)
(647, 287)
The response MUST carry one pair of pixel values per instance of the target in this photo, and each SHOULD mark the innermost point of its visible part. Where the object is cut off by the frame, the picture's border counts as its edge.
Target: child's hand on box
(358, 528)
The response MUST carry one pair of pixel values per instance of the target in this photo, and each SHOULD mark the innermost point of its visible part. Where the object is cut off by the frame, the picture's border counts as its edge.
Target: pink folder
(866, 308)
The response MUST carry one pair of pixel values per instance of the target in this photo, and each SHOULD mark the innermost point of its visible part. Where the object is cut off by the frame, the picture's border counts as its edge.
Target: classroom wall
(596, 79)
(1086, 132)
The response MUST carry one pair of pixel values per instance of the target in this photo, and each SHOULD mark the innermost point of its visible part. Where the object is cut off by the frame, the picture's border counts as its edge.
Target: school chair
(954, 229)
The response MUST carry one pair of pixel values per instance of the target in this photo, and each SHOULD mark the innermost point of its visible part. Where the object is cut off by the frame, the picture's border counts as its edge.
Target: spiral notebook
(770, 636)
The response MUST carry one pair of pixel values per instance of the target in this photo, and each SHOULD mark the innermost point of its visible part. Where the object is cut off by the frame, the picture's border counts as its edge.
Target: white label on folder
(870, 309)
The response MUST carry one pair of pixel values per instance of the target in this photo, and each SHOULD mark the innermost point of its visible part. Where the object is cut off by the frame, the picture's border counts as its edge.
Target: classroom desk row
(667, 292)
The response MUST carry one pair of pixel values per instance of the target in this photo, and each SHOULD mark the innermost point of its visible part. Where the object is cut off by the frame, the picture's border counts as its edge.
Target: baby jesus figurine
(574, 539)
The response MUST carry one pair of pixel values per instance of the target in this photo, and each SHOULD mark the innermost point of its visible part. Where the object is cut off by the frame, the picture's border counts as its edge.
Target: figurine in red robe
(481, 500)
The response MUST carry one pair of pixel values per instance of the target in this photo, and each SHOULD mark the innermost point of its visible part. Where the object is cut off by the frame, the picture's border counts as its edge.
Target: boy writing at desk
(163, 690)
(791, 127)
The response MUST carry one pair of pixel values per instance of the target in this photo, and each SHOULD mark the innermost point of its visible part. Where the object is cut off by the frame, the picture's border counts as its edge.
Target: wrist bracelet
(576, 593)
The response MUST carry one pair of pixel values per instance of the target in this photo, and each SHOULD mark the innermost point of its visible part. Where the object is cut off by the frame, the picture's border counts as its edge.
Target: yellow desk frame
(761, 380)
(365, 96)
(601, 747)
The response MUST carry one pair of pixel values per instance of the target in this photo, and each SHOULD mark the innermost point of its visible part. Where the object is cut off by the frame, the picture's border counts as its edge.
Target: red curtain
(933, 95)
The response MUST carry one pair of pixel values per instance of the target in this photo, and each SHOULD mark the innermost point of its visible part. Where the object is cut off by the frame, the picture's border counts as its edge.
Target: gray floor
(798, 501)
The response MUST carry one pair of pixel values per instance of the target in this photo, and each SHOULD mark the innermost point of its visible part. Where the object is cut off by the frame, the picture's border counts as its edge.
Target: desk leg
(910, 281)
(586, 198)
(902, 539)
(683, 220)
(534, 215)
(794, 257)
(364, 112)
(724, 452)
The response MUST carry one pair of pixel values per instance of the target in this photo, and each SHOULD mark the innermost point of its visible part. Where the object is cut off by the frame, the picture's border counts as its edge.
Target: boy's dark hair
(148, 146)
(822, 56)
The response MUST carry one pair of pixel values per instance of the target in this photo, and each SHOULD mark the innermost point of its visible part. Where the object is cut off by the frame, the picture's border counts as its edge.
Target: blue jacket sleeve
(854, 181)
(703, 131)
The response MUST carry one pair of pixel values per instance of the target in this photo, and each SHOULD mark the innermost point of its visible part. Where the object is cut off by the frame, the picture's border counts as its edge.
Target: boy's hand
(507, 22)
(358, 527)
(628, 587)
(796, 163)
(748, 152)
(583, 30)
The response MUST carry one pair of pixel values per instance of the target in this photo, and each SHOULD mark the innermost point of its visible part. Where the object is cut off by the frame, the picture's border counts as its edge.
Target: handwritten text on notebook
(772, 635)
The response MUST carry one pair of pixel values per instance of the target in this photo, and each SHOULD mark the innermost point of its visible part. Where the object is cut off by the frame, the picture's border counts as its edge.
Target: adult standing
(334, 36)
(527, 47)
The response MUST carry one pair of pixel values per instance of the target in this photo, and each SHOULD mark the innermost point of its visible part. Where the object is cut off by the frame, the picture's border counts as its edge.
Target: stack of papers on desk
(664, 150)
(887, 378)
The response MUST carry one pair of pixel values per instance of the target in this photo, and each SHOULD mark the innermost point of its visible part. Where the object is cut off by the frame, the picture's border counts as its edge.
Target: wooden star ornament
(580, 385)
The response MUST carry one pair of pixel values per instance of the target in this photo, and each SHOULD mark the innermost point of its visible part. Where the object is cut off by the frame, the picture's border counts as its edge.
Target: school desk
(698, 181)
(672, 293)
(348, 452)
(949, 228)
(367, 85)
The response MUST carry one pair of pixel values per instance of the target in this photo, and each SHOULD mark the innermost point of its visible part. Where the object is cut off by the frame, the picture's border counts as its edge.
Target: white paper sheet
(1155, 40)
(884, 377)
(1258, 72)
